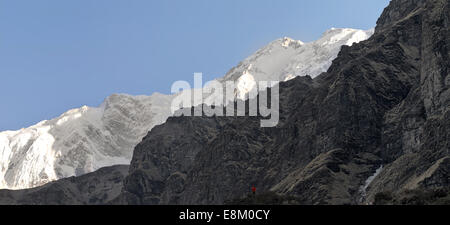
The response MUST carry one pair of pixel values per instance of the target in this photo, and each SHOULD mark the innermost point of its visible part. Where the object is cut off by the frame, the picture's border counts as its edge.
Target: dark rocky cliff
(384, 101)
(94, 188)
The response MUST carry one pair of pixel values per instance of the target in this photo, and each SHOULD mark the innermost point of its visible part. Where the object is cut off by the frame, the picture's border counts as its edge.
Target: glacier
(86, 139)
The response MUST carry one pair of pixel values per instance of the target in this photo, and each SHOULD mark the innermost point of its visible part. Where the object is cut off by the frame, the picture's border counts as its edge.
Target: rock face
(417, 132)
(435, 196)
(94, 188)
(384, 101)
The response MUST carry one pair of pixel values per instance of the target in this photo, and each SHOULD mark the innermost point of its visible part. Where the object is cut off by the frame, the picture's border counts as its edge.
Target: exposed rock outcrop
(383, 101)
(94, 188)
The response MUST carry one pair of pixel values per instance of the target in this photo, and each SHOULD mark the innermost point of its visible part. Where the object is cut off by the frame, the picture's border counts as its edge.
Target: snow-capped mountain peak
(85, 139)
(344, 36)
(77, 142)
(285, 58)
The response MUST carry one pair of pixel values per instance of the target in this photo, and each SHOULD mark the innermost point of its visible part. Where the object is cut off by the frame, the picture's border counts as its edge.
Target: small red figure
(254, 189)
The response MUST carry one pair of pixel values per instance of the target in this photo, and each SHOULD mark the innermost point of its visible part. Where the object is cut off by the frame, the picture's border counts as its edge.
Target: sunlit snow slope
(284, 59)
(85, 139)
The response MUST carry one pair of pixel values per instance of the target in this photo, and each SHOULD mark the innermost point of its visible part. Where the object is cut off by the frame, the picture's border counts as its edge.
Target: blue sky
(57, 55)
